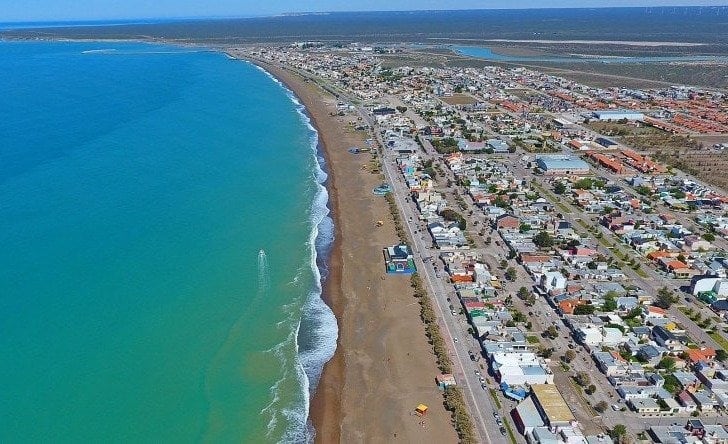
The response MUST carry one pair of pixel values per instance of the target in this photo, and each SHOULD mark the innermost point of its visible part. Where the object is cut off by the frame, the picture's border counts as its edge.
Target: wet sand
(383, 367)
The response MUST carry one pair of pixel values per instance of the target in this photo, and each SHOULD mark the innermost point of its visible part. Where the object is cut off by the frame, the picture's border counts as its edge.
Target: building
(618, 114)
(644, 405)
(562, 165)
(551, 405)
(399, 260)
(526, 416)
(520, 369)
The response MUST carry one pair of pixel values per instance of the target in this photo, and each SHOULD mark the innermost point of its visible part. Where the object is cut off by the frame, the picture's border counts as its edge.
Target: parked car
(503, 431)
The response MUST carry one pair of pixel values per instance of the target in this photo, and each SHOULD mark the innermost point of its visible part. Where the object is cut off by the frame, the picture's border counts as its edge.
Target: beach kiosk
(421, 410)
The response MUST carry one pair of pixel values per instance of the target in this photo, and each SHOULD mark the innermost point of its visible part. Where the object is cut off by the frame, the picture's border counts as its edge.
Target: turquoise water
(482, 52)
(138, 186)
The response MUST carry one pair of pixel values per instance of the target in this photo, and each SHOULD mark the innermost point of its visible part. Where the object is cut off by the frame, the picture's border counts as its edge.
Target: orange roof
(656, 310)
(677, 265)
(696, 355)
(568, 306)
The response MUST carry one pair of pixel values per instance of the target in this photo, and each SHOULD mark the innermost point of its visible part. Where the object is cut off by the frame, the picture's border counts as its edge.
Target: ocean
(164, 231)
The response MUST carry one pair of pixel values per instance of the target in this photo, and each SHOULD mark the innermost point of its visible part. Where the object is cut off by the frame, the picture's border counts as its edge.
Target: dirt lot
(459, 99)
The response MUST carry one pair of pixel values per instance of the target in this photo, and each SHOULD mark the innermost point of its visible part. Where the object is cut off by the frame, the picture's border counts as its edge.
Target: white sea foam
(323, 330)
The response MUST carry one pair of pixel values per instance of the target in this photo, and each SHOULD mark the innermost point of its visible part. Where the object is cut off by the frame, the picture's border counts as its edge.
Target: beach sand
(383, 367)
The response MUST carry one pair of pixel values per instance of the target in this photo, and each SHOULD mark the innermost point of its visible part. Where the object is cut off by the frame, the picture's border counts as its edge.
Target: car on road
(482, 380)
(616, 407)
(496, 415)
(477, 372)
(483, 386)
(499, 422)
(455, 340)
(503, 431)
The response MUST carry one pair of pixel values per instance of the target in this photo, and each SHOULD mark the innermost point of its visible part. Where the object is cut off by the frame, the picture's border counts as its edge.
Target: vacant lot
(459, 99)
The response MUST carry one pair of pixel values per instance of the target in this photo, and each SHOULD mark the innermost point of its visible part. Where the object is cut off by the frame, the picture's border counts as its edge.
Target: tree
(503, 264)
(610, 303)
(545, 352)
(665, 298)
(551, 332)
(584, 309)
(569, 355)
(721, 355)
(667, 363)
(523, 293)
(511, 274)
(543, 240)
(618, 432)
(583, 379)
(710, 237)
(524, 228)
(559, 188)
(601, 406)
(590, 389)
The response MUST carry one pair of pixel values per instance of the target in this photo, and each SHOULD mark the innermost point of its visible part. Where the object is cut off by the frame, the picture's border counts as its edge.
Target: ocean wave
(316, 330)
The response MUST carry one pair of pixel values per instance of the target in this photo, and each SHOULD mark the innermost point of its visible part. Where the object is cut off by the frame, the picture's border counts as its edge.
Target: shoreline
(325, 400)
(383, 365)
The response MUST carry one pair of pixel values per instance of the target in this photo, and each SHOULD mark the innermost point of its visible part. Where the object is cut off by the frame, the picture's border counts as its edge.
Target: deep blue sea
(162, 216)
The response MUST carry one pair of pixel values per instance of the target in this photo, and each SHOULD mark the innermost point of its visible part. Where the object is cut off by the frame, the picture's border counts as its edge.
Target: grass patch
(532, 339)
(511, 435)
(641, 273)
(494, 395)
(717, 337)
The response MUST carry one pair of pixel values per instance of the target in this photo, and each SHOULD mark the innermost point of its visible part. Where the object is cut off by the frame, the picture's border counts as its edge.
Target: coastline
(383, 365)
(325, 402)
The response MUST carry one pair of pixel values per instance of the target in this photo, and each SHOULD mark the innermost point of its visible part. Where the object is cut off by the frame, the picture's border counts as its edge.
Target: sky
(52, 10)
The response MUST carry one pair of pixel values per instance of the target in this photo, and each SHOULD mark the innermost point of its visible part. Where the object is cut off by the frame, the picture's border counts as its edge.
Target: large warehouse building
(618, 114)
(562, 165)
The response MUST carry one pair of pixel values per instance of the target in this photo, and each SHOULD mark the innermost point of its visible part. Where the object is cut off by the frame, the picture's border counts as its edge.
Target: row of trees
(428, 316)
(453, 396)
(398, 227)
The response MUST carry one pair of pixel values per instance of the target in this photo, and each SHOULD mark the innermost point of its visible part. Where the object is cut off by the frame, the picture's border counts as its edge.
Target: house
(695, 355)
(666, 338)
(399, 260)
(650, 354)
(687, 401)
(552, 280)
(507, 222)
(688, 381)
(644, 405)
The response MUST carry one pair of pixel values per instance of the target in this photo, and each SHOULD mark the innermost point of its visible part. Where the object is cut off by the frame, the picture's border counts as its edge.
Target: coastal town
(577, 270)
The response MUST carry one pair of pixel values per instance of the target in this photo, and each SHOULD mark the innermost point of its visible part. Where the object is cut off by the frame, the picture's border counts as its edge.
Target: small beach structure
(382, 189)
(398, 259)
(421, 410)
(445, 380)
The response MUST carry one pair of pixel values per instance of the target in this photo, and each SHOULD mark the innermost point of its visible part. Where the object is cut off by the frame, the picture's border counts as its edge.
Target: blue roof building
(561, 164)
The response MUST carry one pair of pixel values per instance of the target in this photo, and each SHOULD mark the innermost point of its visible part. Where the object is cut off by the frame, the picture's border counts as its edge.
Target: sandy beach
(383, 367)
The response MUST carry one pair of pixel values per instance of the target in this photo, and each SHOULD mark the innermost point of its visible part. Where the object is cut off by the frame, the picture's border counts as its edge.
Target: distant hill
(680, 24)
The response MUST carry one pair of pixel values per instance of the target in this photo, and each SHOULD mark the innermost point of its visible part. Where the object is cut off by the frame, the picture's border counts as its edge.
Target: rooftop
(553, 404)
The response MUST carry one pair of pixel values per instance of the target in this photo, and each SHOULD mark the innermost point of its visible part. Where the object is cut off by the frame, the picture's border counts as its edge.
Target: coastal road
(479, 400)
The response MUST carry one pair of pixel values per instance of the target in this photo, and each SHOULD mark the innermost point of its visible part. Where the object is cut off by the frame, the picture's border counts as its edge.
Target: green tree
(511, 274)
(559, 188)
(543, 240)
(524, 228)
(601, 406)
(551, 332)
(590, 389)
(710, 237)
(584, 309)
(665, 298)
(721, 355)
(583, 379)
(618, 432)
(523, 293)
(667, 363)
(569, 355)
(610, 302)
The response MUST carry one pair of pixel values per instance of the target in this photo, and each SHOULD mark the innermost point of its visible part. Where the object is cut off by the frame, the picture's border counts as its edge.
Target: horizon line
(128, 20)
